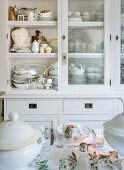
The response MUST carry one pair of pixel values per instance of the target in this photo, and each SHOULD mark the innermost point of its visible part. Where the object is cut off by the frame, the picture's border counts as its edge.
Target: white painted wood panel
(99, 105)
(3, 44)
(92, 121)
(22, 107)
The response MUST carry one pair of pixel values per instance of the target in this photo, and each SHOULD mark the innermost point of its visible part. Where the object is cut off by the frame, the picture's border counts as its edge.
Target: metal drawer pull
(117, 37)
(63, 37)
(32, 106)
(88, 105)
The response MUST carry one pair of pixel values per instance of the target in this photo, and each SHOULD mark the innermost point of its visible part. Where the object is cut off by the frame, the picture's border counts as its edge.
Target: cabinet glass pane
(86, 41)
(122, 43)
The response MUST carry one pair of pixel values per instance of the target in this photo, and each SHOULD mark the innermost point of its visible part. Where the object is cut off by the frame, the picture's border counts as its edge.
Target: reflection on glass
(122, 42)
(86, 42)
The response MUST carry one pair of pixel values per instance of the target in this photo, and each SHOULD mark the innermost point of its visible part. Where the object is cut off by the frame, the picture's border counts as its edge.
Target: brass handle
(63, 37)
(88, 105)
(117, 37)
(32, 106)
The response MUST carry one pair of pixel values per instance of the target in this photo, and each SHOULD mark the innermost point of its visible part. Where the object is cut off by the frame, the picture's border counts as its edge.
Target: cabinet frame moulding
(32, 24)
(86, 55)
(72, 24)
(32, 55)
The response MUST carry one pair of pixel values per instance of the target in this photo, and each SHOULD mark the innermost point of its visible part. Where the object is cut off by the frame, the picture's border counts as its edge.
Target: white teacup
(77, 14)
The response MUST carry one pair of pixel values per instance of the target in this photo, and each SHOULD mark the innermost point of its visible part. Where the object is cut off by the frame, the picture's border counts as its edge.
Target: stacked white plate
(77, 79)
(53, 73)
(94, 74)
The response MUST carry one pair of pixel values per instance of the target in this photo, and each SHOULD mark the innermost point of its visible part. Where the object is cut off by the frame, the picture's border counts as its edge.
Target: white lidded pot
(19, 144)
(114, 133)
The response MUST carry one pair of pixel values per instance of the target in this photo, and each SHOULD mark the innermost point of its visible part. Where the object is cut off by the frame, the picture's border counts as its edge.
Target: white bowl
(48, 14)
(94, 76)
(94, 69)
(21, 40)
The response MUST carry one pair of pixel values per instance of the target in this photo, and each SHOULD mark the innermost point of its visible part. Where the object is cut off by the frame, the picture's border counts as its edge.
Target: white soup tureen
(19, 144)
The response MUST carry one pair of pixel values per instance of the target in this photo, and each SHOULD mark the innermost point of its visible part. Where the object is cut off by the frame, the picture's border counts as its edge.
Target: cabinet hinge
(110, 37)
(7, 36)
(110, 82)
(7, 82)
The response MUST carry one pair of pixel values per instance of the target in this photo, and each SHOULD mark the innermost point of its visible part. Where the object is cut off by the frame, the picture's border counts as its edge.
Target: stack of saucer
(53, 73)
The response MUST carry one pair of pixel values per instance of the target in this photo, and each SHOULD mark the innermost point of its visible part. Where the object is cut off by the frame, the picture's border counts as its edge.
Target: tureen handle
(13, 116)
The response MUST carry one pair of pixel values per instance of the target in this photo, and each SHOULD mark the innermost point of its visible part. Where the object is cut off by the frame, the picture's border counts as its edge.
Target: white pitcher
(35, 47)
(31, 16)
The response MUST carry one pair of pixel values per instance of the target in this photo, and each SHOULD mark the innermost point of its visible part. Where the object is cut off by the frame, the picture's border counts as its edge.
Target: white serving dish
(22, 86)
(94, 76)
(23, 77)
(19, 144)
(21, 40)
(114, 133)
(29, 69)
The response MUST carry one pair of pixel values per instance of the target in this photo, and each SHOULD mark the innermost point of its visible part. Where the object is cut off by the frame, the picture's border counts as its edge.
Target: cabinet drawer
(95, 105)
(92, 121)
(32, 106)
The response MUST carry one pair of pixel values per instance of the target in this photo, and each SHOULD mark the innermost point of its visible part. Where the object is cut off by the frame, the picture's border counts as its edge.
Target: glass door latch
(64, 58)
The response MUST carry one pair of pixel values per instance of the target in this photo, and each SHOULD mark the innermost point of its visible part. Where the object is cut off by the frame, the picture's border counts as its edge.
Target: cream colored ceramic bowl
(21, 40)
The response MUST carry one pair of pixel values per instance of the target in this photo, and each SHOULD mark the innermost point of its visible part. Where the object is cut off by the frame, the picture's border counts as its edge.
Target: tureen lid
(116, 125)
(15, 134)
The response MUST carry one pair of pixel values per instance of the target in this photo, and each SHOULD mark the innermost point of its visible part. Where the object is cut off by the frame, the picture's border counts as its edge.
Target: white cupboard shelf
(35, 24)
(74, 25)
(86, 55)
(32, 55)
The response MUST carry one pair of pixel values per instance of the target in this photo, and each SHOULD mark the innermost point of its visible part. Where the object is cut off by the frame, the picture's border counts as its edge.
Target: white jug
(35, 47)
(31, 16)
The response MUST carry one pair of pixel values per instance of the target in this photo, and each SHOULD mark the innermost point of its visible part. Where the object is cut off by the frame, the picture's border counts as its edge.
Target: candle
(99, 139)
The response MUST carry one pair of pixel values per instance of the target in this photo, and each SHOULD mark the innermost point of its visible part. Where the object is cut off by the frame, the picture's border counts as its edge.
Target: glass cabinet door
(122, 44)
(86, 42)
